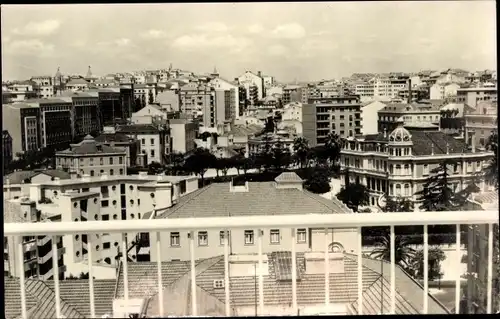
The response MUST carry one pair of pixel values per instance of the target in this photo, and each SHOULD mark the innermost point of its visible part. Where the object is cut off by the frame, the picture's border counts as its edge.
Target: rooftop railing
(318, 221)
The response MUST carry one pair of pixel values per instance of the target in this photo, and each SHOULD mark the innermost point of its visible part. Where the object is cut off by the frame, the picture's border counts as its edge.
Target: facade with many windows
(398, 163)
(91, 158)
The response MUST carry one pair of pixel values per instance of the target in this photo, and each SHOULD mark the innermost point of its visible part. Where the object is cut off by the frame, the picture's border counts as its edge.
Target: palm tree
(333, 145)
(404, 254)
(491, 172)
(301, 149)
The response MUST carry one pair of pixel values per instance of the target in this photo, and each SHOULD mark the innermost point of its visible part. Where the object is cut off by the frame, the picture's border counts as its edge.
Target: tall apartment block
(338, 114)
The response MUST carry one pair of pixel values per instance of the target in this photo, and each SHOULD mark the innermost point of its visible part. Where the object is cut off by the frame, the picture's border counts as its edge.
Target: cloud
(30, 47)
(278, 50)
(289, 31)
(213, 27)
(41, 28)
(255, 29)
(154, 34)
(195, 42)
(122, 42)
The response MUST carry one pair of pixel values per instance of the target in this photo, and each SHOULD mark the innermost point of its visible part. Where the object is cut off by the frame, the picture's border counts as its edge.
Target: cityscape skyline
(298, 43)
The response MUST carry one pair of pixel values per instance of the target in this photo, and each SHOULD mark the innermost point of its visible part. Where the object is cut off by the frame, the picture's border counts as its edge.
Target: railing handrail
(253, 222)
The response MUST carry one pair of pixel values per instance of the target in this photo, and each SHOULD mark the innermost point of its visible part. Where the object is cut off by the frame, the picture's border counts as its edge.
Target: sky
(291, 41)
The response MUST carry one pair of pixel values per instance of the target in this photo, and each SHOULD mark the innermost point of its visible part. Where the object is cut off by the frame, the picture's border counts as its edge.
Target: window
(91, 162)
(398, 169)
(469, 167)
(121, 171)
(105, 217)
(110, 161)
(106, 245)
(301, 235)
(152, 153)
(202, 238)
(104, 203)
(426, 169)
(407, 189)
(152, 141)
(111, 172)
(143, 141)
(407, 169)
(101, 161)
(175, 239)
(274, 236)
(120, 160)
(478, 166)
(249, 237)
(92, 173)
(222, 237)
(218, 283)
(398, 189)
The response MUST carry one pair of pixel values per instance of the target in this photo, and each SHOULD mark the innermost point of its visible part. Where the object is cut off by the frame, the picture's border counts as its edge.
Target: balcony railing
(318, 221)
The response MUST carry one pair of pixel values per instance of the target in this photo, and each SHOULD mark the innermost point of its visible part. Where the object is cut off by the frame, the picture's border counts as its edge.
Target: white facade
(252, 79)
(369, 117)
(148, 115)
(221, 84)
(442, 91)
(292, 111)
(152, 146)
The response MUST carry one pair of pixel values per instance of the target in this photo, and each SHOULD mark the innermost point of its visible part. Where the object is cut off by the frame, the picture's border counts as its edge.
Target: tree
(435, 255)
(204, 136)
(403, 252)
(269, 125)
(354, 195)
(491, 172)
(333, 146)
(318, 182)
(301, 149)
(319, 154)
(437, 194)
(222, 164)
(155, 168)
(237, 161)
(265, 156)
(398, 205)
(199, 162)
(280, 156)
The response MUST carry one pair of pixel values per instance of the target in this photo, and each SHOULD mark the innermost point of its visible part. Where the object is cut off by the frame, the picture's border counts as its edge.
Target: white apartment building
(249, 79)
(102, 198)
(369, 116)
(292, 112)
(222, 84)
(441, 91)
(154, 140)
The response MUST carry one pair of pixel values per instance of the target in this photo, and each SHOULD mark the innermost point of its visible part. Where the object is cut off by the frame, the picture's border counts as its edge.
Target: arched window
(407, 190)
(398, 169)
(398, 189)
(407, 169)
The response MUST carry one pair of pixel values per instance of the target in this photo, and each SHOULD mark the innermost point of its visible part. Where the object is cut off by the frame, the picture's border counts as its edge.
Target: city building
(120, 141)
(269, 81)
(340, 115)
(18, 183)
(169, 100)
(221, 84)
(86, 113)
(292, 112)
(195, 97)
(37, 250)
(365, 90)
(452, 118)
(154, 140)
(77, 85)
(115, 104)
(369, 116)
(22, 122)
(397, 163)
(480, 122)
(20, 91)
(474, 95)
(218, 111)
(153, 114)
(238, 136)
(7, 154)
(182, 135)
(92, 158)
(441, 91)
(258, 143)
(292, 93)
(249, 79)
(413, 114)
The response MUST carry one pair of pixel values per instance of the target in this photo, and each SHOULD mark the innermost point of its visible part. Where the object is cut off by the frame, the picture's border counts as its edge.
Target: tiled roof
(216, 200)
(20, 176)
(74, 294)
(89, 146)
(244, 130)
(414, 107)
(288, 177)
(77, 82)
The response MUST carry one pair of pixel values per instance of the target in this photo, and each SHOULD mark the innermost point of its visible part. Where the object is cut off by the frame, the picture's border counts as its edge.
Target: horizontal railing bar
(249, 222)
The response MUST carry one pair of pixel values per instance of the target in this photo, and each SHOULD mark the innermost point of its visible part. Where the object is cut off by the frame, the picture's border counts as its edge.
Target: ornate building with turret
(397, 163)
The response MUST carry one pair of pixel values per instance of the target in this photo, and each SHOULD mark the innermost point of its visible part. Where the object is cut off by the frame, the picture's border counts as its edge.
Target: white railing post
(327, 269)
(426, 270)
(393, 271)
(458, 279)
(91, 277)
(360, 272)
(55, 275)
(226, 273)
(20, 265)
(125, 268)
(294, 272)
(489, 282)
(160, 275)
(194, 305)
(261, 273)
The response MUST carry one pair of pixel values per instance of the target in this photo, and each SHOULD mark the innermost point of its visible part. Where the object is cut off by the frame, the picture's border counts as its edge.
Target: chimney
(259, 73)
(409, 91)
